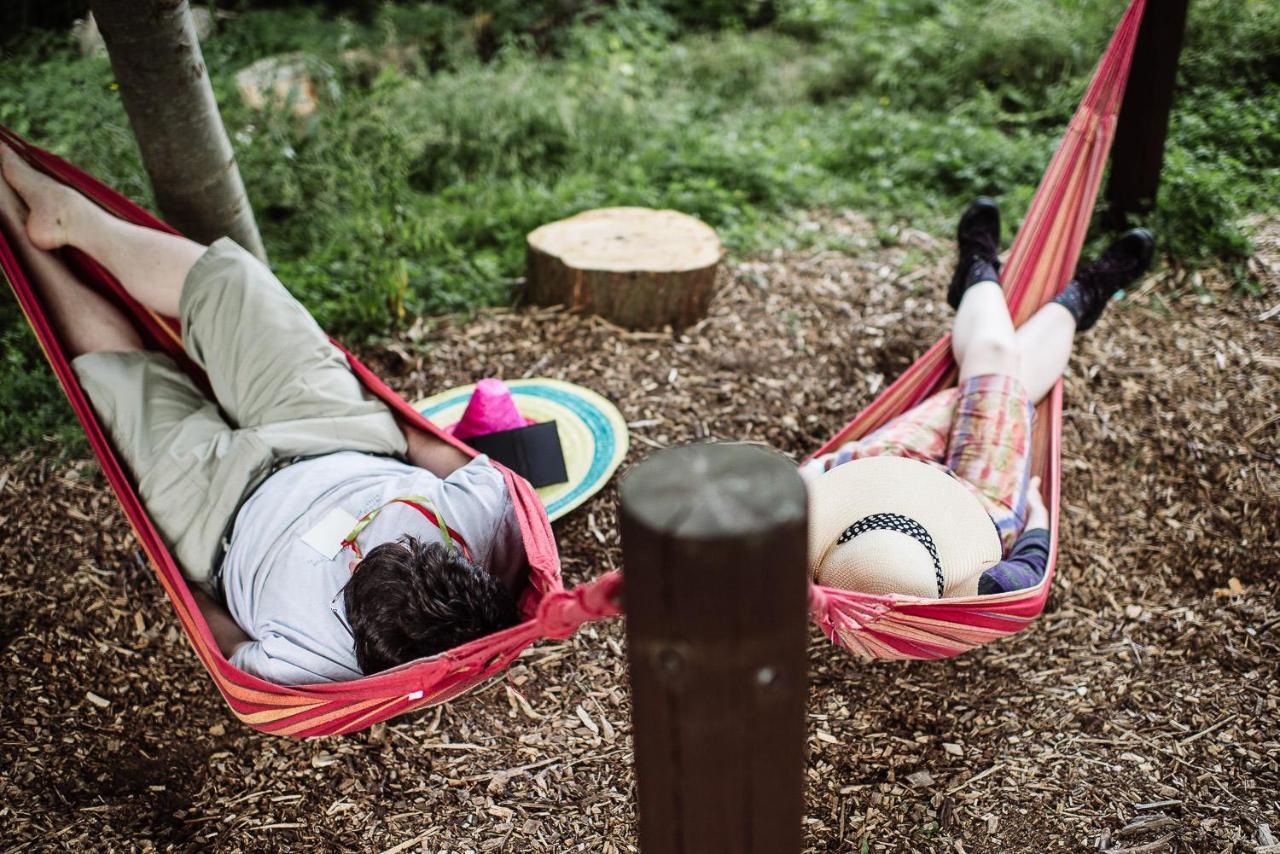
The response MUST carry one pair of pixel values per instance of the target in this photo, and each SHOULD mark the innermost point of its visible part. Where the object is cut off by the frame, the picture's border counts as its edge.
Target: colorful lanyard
(424, 506)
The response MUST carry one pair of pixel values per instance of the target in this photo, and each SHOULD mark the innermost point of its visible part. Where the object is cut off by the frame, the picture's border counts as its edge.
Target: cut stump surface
(637, 267)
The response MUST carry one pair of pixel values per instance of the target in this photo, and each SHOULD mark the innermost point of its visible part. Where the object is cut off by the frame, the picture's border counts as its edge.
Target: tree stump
(636, 267)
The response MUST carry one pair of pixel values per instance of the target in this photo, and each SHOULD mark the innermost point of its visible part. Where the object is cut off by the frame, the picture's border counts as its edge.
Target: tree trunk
(160, 70)
(639, 268)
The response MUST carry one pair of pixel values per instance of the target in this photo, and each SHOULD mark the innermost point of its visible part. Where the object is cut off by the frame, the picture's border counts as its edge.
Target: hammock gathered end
(888, 627)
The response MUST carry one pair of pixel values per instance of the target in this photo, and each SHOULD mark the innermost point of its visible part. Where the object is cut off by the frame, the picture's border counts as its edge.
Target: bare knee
(995, 354)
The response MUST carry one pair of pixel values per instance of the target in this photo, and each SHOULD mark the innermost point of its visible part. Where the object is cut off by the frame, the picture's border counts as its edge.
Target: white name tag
(326, 537)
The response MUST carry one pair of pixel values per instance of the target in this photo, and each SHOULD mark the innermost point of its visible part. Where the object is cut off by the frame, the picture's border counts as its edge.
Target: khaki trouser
(282, 390)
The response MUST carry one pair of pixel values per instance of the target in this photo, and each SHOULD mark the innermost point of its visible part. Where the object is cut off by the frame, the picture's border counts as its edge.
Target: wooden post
(714, 542)
(1137, 154)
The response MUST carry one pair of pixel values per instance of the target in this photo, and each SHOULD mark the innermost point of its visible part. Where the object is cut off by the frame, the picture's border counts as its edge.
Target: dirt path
(1142, 707)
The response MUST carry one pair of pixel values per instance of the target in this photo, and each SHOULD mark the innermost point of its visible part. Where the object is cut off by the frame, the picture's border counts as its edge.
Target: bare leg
(982, 337)
(150, 264)
(86, 320)
(984, 341)
(1044, 347)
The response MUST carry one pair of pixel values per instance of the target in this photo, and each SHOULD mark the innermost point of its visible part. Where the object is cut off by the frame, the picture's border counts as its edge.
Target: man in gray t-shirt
(344, 559)
(285, 586)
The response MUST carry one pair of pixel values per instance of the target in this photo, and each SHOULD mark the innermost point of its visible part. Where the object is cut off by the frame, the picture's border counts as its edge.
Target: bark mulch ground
(1141, 713)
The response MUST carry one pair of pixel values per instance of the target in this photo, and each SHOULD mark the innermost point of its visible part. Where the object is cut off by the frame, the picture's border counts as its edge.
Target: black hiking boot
(1094, 284)
(979, 238)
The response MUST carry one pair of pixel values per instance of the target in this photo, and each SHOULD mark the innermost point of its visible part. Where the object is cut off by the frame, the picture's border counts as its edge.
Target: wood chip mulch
(1141, 713)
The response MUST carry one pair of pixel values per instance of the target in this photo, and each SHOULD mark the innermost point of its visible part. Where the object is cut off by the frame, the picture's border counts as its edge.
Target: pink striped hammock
(891, 627)
(1039, 265)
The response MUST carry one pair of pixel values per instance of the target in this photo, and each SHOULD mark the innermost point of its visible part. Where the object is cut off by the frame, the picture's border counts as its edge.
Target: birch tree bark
(159, 67)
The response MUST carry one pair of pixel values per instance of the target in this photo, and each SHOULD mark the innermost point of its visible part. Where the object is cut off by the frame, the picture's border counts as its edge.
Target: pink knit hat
(490, 410)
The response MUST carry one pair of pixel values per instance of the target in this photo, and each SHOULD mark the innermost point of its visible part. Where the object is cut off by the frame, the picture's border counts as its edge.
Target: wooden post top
(711, 491)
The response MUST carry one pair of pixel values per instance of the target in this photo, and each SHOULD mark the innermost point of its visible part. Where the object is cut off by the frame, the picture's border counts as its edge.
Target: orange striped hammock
(884, 627)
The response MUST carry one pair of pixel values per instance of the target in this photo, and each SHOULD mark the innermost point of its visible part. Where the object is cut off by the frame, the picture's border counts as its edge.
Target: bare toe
(10, 164)
(11, 207)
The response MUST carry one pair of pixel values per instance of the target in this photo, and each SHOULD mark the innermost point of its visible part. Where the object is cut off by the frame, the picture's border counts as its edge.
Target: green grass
(411, 190)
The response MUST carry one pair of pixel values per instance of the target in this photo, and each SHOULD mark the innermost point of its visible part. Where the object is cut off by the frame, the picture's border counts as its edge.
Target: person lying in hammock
(939, 502)
(286, 494)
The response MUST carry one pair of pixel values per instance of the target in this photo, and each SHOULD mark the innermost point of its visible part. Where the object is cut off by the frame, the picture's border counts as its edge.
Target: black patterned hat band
(899, 524)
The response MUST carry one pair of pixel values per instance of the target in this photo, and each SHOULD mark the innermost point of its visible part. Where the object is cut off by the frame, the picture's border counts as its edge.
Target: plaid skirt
(979, 431)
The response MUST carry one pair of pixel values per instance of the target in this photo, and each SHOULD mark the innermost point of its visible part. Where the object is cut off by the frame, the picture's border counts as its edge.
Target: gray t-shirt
(280, 587)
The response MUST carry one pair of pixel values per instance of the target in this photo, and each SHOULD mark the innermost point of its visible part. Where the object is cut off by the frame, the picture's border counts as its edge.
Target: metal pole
(1137, 154)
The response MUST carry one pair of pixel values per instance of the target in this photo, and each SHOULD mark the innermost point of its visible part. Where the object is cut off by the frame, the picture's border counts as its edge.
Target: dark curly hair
(409, 599)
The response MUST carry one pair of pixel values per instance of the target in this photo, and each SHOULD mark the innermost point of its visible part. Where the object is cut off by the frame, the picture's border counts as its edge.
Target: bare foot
(52, 206)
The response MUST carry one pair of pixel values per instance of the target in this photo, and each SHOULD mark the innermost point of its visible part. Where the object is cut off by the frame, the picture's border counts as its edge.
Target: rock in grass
(289, 82)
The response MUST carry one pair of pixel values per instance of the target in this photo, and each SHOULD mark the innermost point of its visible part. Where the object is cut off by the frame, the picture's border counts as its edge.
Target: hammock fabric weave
(893, 627)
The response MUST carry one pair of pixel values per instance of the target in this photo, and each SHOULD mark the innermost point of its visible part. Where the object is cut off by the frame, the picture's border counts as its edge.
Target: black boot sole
(1147, 243)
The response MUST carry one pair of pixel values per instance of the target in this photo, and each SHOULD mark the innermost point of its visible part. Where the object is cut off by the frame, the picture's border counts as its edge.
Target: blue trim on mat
(597, 424)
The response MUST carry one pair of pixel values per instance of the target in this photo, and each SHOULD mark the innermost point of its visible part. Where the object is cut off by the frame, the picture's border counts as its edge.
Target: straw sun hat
(892, 525)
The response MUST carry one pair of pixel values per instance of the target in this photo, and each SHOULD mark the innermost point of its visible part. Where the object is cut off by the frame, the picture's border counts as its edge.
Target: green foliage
(1231, 45)
(411, 189)
(34, 408)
